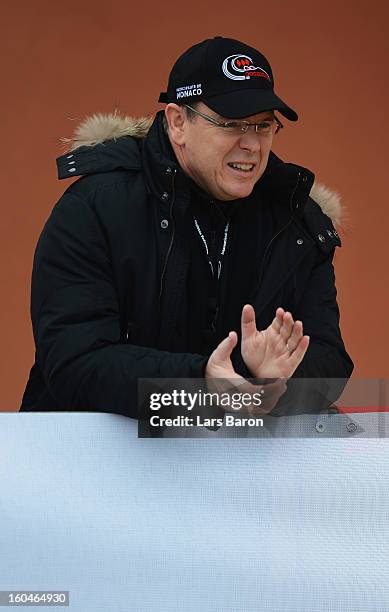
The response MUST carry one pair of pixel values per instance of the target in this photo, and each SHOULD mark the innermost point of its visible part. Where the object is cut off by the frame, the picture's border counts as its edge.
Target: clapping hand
(278, 350)
(222, 378)
(273, 354)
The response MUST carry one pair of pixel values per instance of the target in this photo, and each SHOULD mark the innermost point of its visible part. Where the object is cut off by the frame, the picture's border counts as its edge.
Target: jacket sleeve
(319, 312)
(75, 316)
(326, 366)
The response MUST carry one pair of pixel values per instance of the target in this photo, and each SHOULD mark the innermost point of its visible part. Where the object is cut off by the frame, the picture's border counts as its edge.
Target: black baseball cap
(233, 79)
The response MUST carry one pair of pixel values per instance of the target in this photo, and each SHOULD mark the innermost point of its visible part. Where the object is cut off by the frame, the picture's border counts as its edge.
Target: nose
(250, 141)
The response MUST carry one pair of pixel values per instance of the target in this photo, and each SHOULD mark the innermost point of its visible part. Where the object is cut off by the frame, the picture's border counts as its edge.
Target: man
(182, 239)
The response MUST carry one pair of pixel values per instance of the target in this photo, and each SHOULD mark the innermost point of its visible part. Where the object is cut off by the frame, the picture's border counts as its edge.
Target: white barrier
(191, 525)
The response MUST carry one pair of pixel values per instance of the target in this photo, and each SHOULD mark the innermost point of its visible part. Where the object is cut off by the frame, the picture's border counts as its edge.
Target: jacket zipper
(266, 253)
(171, 239)
(266, 250)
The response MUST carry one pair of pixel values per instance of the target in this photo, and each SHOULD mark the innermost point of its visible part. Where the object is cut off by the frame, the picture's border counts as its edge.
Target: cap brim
(239, 104)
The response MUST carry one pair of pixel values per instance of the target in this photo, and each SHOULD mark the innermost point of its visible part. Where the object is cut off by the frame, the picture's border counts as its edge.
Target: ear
(177, 121)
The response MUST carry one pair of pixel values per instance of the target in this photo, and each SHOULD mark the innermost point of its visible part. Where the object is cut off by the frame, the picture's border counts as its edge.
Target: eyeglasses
(265, 128)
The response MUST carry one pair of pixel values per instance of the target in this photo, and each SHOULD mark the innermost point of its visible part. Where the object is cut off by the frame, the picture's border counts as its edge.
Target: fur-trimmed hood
(99, 128)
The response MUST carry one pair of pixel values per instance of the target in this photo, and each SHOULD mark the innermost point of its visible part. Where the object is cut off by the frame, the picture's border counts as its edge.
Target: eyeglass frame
(244, 124)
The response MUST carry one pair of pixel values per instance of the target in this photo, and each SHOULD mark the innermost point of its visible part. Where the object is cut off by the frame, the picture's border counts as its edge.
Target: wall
(63, 62)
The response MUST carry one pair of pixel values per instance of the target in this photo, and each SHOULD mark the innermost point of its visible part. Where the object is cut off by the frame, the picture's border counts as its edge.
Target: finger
(223, 351)
(296, 335)
(276, 325)
(287, 326)
(297, 356)
(248, 323)
(278, 320)
(280, 317)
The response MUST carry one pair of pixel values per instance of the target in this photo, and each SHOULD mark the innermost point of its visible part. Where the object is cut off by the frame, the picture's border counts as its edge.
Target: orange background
(63, 62)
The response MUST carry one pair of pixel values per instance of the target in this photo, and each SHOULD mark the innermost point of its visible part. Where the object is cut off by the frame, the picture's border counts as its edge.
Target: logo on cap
(239, 67)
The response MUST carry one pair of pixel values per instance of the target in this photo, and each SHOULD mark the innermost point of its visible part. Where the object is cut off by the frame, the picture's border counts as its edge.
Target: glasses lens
(264, 128)
(236, 127)
(267, 128)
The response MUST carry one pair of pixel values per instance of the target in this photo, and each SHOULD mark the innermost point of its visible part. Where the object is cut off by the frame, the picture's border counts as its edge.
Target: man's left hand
(275, 352)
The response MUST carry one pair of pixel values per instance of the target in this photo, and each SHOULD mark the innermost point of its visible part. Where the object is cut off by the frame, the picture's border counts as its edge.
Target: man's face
(207, 152)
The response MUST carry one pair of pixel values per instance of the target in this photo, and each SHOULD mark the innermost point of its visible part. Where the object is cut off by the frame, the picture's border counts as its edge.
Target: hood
(84, 156)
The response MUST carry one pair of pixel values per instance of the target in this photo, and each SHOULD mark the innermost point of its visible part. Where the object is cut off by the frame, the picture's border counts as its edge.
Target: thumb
(248, 322)
(222, 352)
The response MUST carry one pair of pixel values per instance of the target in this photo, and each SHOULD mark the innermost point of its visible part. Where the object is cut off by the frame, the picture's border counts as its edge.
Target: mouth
(241, 168)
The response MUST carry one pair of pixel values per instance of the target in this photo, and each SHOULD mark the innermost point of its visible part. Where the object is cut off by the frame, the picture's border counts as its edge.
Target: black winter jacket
(110, 270)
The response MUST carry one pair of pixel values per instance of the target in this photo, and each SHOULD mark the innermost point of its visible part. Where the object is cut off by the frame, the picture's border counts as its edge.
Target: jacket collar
(288, 183)
(159, 161)
(108, 142)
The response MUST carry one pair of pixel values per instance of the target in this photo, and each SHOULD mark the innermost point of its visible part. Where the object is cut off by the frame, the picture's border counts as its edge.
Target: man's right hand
(219, 366)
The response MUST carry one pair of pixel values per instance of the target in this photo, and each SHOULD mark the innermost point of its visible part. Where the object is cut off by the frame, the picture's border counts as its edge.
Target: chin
(241, 192)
